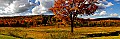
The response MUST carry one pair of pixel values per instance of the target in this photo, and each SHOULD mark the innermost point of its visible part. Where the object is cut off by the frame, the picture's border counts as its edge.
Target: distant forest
(50, 20)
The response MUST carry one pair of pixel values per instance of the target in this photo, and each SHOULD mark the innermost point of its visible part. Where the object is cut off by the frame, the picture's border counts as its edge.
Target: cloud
(23, 7)
(114, 14)
(102, 13)
(18, 6)
(109, 4)
(118, 1)
(103, 4)
(5, 2)
(96, 14)
(43, 7)
(45, 4)
(104, 0)
(14, 6)
(111, 8)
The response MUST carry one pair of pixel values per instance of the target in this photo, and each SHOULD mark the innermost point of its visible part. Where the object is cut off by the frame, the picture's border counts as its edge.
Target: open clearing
(51, 32)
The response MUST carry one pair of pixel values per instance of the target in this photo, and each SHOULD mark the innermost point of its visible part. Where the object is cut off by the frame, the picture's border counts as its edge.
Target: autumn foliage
(63, 8)
(67, 10)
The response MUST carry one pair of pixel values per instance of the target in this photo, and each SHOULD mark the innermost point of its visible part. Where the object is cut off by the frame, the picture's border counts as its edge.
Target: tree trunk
(72, 20)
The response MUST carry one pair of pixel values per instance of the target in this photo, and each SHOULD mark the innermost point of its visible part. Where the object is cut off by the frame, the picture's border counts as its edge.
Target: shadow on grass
(16, 36)
(104, 34)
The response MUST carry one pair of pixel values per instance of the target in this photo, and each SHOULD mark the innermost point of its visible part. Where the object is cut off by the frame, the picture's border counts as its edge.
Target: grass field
(7, 37)
(51, 32)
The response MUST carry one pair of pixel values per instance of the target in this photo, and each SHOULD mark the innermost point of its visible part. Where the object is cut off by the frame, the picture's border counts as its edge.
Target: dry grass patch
(54, 32)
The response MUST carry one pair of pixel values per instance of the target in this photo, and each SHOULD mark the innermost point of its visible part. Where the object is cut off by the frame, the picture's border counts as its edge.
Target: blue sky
(115, 8)
(111, 11)
(107, 8)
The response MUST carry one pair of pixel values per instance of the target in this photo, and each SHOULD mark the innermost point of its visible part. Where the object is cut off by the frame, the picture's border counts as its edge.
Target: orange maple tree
(69, 9)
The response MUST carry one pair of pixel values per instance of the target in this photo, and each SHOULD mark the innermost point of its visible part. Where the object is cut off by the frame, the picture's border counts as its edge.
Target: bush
(27, 24)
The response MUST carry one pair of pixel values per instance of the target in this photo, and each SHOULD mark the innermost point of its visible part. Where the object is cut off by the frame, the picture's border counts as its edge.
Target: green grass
(7, 37)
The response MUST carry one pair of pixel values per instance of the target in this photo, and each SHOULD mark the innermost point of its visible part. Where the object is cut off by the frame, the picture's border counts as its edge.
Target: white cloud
(11, 7)
(111, 8)
(95, 14)
(109, 4)
(43, 7)
(104, 4)
(18, 6)
(21, 6)
(103, 13)
(14, 6)
(116, 0)
(114, 14)
(104, 0)
(45, 4)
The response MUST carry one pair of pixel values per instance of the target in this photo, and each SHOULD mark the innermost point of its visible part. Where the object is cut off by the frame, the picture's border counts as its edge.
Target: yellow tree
(68, 10)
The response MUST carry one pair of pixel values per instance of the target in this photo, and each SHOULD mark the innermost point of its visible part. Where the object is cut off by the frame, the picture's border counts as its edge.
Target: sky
(109, 8)
(106, 8)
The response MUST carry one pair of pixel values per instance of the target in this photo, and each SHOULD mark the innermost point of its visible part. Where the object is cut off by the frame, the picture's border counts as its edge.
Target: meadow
(52, 32)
